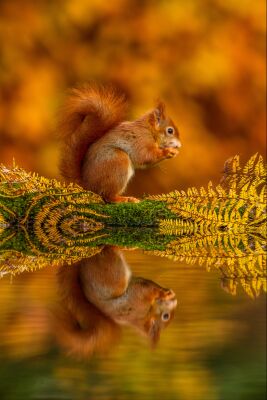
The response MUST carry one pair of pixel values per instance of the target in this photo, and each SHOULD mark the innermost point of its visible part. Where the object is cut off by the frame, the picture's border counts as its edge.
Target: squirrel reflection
(99, 294)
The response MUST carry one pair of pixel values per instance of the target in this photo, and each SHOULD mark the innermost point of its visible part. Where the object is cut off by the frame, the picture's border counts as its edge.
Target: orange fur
(98, 294)
(100, 151)
(88, 113)
(80, 327)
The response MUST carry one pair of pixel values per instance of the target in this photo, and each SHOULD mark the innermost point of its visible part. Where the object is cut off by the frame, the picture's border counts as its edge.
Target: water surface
(214, 347)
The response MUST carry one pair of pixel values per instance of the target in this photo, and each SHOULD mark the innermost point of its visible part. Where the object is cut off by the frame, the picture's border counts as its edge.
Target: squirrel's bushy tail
(88, 113)
(80, 328)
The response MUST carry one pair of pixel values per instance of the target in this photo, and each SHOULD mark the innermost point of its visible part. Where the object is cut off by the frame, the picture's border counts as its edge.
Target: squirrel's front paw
(170, 152)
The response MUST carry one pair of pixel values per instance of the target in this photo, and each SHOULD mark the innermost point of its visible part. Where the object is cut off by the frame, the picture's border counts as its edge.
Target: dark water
(214, 347)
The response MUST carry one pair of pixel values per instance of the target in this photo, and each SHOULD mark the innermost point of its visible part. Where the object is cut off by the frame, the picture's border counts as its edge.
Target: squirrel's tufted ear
(157, 115)
(152, 329)
(160, 110)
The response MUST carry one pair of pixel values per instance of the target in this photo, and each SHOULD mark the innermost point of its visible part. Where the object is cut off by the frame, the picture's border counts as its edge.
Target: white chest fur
(130, 172)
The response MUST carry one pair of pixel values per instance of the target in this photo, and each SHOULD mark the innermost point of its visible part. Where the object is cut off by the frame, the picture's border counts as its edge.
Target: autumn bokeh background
(206, 59)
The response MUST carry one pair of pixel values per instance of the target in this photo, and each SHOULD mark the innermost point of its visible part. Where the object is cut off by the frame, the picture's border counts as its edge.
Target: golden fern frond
(14, 263)
(253, 172)
(238, 205)
(235, 255)
(252, 286)
(177, 227)
(16, 182)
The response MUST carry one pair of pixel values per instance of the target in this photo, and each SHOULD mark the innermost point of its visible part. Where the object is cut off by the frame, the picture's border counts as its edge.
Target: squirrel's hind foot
(124, 199)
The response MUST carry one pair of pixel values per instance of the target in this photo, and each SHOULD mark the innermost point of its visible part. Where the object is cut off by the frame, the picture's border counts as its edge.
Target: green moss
(144, 238)
(145, 213)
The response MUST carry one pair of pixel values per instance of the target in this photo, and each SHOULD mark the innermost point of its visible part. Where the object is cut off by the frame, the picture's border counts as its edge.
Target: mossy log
(43, 218)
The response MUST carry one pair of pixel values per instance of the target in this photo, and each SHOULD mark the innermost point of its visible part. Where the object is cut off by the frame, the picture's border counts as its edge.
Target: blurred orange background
(205, 59)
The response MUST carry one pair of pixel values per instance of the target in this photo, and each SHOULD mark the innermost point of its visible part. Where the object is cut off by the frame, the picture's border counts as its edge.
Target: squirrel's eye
(165, 316)
(170, 130)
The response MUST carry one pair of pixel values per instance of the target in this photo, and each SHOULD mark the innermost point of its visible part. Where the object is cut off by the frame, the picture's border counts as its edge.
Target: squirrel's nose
(176, 144)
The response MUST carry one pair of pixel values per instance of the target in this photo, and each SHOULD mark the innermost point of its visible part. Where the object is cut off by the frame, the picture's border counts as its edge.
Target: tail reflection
(99, 294)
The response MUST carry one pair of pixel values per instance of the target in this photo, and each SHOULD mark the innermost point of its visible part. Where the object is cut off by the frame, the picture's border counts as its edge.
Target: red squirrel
(101, 150)
(99, 294)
